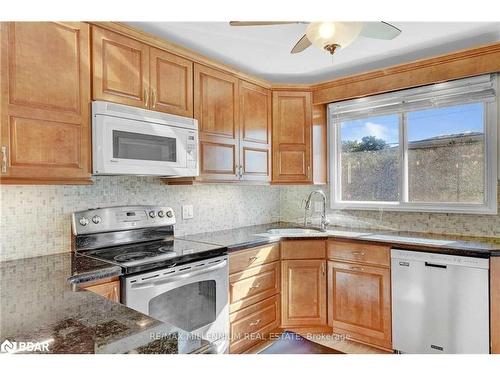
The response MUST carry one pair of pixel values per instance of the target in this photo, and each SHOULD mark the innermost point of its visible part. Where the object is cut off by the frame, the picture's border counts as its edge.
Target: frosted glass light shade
(324, 34)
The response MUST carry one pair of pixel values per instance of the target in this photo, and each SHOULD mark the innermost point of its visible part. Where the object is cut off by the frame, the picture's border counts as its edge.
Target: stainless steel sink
(298, 232)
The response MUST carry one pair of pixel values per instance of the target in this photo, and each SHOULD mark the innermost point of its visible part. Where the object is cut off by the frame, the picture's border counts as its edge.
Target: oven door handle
(168, 279)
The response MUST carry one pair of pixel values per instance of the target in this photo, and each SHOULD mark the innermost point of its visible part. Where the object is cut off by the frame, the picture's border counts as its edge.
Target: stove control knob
(170, 213)
(83, 221)
(96, 219)
(161, 214)
(152, 214)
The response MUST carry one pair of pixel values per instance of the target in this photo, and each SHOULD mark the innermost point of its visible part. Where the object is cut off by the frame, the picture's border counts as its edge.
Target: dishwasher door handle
(427, 264)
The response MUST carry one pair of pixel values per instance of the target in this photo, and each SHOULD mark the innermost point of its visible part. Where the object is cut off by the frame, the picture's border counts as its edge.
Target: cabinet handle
(253, 259)
(362, 253)
(323, 268)
(4, 159)
(308, 171)
(357, 268)
(255, 286)
(153, 98)
(254, 323)
(240, 168)
(146, 97)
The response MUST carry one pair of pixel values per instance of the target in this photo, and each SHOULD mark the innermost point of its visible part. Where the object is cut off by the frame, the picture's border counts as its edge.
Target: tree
(368, 143)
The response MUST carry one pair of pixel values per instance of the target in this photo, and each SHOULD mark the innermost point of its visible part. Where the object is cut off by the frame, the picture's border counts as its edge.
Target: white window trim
(492, 167)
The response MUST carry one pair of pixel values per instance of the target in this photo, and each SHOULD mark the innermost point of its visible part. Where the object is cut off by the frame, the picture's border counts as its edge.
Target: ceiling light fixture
(331, 36)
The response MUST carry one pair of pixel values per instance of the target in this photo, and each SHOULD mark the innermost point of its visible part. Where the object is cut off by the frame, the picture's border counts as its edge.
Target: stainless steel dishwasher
(440, 303)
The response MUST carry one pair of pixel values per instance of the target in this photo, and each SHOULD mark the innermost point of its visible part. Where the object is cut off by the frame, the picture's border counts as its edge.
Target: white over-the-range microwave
(134, 141)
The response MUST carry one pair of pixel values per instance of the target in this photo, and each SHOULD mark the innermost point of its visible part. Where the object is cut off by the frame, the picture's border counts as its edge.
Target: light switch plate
(187, 211)
(318, 206)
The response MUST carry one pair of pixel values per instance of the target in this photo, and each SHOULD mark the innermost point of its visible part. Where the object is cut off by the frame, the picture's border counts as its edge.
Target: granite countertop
(39, 304)
(246, 237)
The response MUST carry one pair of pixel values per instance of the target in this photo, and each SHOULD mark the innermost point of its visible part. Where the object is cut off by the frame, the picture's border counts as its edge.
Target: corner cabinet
(292, 130)
(129, 72)
(45, 95)
(109, 290)
(303, 283)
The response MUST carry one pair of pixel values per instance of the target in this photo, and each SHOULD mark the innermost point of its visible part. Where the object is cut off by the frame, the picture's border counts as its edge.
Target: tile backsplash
(292, 209)
(35, 220)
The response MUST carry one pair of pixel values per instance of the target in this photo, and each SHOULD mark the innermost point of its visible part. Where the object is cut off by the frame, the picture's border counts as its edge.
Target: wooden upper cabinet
(171, 79)
(255, 132)
(216, 106)
(45, 86)
(292, 119)
(303, 293)
(120, 69)
(359, 298)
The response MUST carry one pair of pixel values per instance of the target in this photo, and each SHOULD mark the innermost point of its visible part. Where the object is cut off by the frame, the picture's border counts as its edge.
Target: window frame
(489, 205)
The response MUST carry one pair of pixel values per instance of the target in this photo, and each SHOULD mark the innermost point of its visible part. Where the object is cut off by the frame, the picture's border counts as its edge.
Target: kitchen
(162, 196)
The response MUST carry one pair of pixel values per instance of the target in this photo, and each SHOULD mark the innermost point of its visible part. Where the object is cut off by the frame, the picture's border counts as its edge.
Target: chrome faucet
(324, 221)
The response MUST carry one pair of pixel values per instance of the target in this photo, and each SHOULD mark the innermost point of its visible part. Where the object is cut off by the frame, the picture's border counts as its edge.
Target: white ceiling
(265, 51)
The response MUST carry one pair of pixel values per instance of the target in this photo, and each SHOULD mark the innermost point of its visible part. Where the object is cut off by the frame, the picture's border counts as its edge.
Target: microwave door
(131, 147)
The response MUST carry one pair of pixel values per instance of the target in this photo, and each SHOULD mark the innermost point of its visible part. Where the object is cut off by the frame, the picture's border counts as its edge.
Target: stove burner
(133, 256)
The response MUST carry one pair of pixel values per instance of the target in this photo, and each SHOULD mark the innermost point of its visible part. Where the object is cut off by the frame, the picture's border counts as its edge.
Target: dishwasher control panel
(436, 258)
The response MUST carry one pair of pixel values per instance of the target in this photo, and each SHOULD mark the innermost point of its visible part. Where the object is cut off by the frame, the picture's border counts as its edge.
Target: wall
(35, 220)
(292, 209)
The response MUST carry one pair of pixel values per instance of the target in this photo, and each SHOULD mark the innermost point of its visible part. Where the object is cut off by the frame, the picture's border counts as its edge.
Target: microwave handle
(168, 279)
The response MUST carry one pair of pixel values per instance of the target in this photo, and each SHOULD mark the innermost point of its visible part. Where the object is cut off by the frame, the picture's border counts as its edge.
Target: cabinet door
(110, 290)
(303, 293)
(216, 109)
(255, 132)
(120, 69)
(292, 120)
(45, 83)
(360, 302)
(171, 83)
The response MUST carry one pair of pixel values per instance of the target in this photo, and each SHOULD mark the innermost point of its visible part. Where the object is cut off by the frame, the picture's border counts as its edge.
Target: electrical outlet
(318, 206)
(187, 211)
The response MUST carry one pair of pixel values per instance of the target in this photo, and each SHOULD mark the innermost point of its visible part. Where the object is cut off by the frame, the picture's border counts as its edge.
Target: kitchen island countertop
(39, 305)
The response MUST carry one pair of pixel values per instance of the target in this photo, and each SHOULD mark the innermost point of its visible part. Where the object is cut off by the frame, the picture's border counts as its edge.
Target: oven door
(192, 297)
(124, 146)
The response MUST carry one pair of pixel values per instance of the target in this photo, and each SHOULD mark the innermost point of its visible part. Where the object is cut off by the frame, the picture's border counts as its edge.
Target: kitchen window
(431, 149)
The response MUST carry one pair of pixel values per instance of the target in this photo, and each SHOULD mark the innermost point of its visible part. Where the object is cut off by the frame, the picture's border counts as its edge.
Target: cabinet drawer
(253, 285)
(241, 260)
(303, 249)
(251, 325)
(359, 252)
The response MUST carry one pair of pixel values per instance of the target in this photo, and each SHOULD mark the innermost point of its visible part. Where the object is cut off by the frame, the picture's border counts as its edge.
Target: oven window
(188, 307)
(128, 145)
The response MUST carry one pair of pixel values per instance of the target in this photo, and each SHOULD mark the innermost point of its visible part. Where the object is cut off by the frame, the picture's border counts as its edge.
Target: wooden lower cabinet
(303, 288)
(254, 295)
(359, 298)
(253, 324)
(109, 290)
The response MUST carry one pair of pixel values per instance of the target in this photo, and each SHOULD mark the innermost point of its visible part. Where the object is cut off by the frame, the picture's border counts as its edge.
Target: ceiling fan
(331, 36)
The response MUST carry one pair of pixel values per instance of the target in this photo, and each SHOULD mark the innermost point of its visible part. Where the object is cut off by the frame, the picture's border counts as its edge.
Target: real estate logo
(8, 346)
(23, 346)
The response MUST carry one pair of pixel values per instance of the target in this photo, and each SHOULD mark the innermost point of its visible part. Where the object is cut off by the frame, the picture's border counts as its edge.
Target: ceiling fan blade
(301, 45)
(380, 30)
(261, 23)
